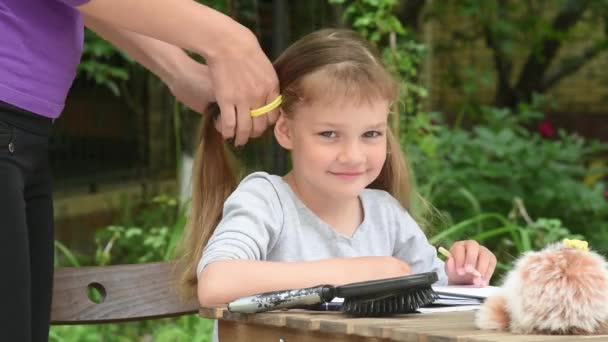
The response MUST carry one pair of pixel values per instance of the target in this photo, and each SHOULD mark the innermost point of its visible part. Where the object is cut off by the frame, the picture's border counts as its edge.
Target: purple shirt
(40, 47)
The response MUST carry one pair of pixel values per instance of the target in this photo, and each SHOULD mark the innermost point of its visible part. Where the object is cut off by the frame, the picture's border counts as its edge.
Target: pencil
(447, 254)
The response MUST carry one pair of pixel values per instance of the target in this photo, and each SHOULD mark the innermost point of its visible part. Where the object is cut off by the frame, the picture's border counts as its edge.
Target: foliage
(506, 237)
(146, 236)
(103, 64)
(185, 328)
(477, 175)
(534, 44)
(471, 172)
(402, 54)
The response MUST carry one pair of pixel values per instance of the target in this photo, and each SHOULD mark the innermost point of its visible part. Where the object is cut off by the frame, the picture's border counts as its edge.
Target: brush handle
(387, 286)
(286, 299)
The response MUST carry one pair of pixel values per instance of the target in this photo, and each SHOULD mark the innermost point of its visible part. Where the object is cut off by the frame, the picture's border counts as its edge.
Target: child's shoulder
(259, 177)
(259, 180)
(261, 184)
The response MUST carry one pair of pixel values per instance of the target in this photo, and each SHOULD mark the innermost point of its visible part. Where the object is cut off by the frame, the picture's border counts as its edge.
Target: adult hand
(468, 258)
(243, 79)
(192, 85)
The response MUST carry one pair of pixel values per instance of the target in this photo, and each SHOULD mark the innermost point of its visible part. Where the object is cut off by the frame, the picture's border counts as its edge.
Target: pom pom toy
(561, 289)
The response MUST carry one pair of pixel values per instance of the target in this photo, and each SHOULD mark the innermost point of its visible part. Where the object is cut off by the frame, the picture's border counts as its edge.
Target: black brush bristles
(406, 301)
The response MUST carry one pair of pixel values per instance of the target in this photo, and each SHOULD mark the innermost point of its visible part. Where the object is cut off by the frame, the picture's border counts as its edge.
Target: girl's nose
(351, 153)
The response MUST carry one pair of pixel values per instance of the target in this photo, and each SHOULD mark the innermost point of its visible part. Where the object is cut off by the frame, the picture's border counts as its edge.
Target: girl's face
(337, 148)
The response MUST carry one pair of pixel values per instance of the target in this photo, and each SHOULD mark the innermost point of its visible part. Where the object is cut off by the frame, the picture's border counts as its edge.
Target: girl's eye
(372, 134)
(328, 134)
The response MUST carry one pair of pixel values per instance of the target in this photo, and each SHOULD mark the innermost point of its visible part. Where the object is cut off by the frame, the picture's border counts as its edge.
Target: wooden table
(307, 326)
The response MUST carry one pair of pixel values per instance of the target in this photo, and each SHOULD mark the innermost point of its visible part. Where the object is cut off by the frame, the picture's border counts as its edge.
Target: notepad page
(455, 308)
(467, 291)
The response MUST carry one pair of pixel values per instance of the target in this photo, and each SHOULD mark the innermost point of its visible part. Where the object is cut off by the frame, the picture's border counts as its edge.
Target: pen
(327, 306)
(447, 254)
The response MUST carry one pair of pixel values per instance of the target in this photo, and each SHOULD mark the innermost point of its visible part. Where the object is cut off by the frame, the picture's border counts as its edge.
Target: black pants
(26, 226)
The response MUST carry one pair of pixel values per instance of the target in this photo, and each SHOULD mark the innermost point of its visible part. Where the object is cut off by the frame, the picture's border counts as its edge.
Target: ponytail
(213, 180)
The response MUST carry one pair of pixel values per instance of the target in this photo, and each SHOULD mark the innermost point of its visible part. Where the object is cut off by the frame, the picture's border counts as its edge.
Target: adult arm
(187, 79)
(242, 76)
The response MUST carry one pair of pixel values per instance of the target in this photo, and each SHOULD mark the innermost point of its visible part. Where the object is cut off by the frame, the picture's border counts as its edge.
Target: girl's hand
(467, 257)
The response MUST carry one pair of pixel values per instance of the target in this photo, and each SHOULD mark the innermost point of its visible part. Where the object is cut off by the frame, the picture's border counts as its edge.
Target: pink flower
(546, 129)
(606, 193)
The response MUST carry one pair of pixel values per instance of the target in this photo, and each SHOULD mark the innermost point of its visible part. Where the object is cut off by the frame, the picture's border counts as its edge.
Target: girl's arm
(226, 280)
(233, 262)
(412, 245)
(242, 76)
(188, 80)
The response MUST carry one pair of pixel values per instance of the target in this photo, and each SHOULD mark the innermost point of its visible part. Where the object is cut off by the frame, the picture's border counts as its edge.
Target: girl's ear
(282, 131)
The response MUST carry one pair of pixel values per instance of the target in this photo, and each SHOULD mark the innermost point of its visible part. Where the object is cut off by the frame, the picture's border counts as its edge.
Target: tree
(539, 31)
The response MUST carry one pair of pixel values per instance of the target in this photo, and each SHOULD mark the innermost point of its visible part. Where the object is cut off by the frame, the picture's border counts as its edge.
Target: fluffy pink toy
(561, 289)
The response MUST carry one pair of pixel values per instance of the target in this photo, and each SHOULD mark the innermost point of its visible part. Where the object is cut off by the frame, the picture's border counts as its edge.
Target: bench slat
(132, 292)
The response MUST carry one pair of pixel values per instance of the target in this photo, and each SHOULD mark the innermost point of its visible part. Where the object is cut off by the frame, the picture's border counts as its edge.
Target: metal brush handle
(286, 299)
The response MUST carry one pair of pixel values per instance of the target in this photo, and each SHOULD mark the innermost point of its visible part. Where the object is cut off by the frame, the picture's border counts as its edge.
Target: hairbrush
(381, 297)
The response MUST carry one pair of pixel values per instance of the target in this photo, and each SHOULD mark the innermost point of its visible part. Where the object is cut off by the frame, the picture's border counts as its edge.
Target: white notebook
(465, 291)
(457, 294)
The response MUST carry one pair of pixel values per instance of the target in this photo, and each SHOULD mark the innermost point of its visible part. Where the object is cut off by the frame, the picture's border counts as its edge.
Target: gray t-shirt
(264, 219)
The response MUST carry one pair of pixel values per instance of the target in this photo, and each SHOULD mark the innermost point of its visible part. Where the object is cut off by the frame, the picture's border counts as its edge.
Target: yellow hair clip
(267, 108)
(578, 244)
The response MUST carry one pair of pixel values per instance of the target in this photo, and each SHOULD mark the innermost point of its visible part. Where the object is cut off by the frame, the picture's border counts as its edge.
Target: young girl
(341, 214)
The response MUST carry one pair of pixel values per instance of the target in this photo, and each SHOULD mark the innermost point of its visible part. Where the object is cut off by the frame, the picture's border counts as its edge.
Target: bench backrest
(128, 293)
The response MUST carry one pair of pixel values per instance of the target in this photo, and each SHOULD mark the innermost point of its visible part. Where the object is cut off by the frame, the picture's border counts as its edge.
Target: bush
(483, 169)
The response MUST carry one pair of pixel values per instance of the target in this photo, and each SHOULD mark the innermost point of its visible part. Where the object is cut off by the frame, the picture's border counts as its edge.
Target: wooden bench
(126, 293)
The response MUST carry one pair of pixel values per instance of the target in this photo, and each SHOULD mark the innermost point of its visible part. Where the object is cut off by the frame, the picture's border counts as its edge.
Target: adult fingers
(259, 124)
(228, 119)
(243, 126)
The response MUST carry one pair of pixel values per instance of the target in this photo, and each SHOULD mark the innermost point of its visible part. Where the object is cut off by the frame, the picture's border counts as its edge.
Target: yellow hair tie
(578, 244)
(267, 108)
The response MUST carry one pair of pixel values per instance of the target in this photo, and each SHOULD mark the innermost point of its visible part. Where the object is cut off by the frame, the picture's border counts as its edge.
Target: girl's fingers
(483, 264)
(458, 254)
(472, 254)
(450, 266)
(487, 275)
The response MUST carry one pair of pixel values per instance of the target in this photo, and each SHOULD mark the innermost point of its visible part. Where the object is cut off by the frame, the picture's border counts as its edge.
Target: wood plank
(385, 330)
(537, 338)
(420, 333)
(311, 322)
(238, 331)
(132, 292)
(362, 326)
(211, 313)
(464, 335)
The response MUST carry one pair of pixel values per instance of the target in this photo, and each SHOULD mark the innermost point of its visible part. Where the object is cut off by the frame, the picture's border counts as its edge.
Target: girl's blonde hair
(322, 66)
